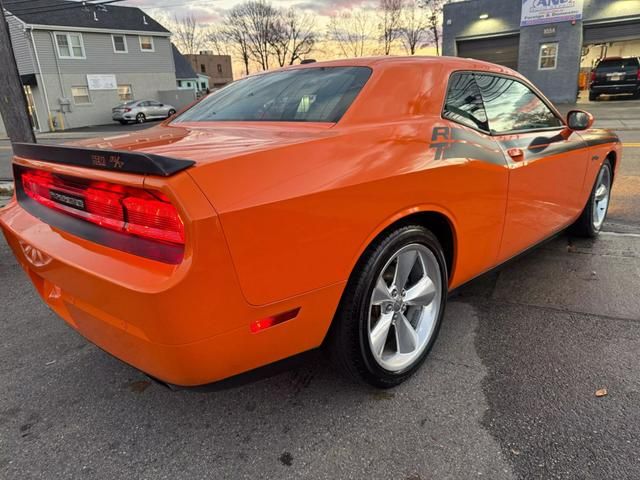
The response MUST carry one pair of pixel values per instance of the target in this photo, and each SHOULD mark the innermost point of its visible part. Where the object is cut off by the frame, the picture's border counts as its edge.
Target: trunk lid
(211, 141)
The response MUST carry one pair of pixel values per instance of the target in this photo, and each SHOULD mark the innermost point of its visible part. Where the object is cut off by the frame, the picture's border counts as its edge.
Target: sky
(213, 12)
(209, 11)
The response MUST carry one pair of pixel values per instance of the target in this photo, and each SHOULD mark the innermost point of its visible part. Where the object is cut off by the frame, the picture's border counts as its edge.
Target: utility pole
(13, 101)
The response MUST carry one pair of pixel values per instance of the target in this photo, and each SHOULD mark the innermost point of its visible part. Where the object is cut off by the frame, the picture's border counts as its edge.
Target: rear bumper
(186, 325)
(614, 89)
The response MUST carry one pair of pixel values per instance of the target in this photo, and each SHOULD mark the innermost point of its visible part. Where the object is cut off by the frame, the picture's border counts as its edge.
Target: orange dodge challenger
(323, 204)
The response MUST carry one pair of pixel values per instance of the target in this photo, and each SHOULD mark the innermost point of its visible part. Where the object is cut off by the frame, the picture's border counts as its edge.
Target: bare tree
(188, 34)
(261, 19)
(390, 12)
(433, 10)
(216, 40)
(351, 29)
(415, 26)
(234, 32)
(293, 36)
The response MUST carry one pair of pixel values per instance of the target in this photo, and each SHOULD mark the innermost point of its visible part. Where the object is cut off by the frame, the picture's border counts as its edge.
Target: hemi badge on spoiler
(121, 161)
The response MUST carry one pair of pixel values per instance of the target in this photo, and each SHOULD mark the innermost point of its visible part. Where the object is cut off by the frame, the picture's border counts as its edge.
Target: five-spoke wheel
(391, 310)
(404, 306)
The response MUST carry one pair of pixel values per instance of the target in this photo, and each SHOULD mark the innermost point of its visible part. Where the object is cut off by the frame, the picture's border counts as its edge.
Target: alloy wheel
(404, 307)
(601, 197)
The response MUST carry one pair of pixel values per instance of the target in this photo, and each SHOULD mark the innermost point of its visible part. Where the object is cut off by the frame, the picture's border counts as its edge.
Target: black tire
(584, 227)
(347, 342)
(140, 118)
(123, 122)
(172, 112)
(593, 97)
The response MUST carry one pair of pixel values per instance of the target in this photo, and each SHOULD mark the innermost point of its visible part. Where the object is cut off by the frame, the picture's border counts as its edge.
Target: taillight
(127, 109)
(128, 210)
(638, 74)
(593, 76)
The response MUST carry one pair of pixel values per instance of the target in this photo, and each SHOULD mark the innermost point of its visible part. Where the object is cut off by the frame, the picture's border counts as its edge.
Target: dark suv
(615, 75)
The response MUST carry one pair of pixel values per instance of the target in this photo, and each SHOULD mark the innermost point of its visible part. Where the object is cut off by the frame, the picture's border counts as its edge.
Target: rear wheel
(593, 96)
(590, 222)
(392, 308)
(123, 122)
(140, 118)
(172, 112)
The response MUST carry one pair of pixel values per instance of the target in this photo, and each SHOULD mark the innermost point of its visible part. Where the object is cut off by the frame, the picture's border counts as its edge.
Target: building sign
(536, 12)
(102, 82)
(549, 31)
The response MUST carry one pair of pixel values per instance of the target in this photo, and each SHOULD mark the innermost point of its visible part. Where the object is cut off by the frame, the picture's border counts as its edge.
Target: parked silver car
(140, 111)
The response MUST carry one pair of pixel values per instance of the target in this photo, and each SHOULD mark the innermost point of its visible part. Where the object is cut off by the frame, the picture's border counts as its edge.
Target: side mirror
(579, 120)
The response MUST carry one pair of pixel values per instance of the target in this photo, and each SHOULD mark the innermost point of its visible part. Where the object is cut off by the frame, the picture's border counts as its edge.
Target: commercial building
(77, 62)
(554, 43)
(216, 67)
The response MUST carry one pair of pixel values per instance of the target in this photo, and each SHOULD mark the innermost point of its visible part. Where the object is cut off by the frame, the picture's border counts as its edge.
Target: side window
(512, 106)
(464, 102)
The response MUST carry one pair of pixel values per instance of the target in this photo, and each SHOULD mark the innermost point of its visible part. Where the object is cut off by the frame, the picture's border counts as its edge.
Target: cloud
(211, 9)
(328, 7)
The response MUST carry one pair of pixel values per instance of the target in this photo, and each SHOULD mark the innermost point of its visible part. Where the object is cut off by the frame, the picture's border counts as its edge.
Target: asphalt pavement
(509, 391)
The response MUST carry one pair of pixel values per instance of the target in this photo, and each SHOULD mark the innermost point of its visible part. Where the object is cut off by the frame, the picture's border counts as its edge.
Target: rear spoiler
(112, 160)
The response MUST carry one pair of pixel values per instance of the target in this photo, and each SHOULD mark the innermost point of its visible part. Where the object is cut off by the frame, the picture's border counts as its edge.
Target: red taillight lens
(128, 210)
(638, 75)
(593, 75)
(127, 109)
(153, 219)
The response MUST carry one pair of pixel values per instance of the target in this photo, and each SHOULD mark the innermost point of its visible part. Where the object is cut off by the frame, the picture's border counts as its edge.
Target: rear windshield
(319, 94)
(618, 65)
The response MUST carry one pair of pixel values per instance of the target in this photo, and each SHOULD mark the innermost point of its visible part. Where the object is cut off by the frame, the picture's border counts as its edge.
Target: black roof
(73, 14)
(183, 67)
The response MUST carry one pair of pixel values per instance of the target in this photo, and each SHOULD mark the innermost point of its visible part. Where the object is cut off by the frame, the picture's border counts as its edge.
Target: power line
(34, 11)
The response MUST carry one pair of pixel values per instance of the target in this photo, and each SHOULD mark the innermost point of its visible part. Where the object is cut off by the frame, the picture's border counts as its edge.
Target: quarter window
(548, 56)
(119, 43)
(512, 106)
(80, 95)
(70, 45)
(464, 102)
(146, 43)
(125, 93)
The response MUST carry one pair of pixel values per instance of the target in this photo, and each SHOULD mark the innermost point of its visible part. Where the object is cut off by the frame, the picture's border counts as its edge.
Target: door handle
(516, 154)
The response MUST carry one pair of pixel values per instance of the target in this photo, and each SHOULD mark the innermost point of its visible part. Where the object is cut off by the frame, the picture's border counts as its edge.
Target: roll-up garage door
(611, 32)
(500, 50)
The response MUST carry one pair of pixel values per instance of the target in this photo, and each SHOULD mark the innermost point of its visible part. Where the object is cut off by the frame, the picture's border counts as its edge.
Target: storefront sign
(536, 12)
(102, 82)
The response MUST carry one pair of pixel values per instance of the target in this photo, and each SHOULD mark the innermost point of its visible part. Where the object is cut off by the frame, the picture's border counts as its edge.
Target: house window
(146, 44)
(548, 56)
(203, 85)
(80, 95)
(219, 68)
(70, 45)
(203, 69)
(125, 93)
(119, 43)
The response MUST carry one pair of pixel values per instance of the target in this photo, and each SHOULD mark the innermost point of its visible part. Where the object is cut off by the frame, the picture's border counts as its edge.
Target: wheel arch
(612, 156)
(438, 221)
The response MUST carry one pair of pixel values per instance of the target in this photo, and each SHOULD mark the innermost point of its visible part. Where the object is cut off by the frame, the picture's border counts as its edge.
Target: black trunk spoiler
(112, 160)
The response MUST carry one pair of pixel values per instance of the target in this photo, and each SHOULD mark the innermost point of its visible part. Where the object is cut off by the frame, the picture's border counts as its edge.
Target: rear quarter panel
(297, 218)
